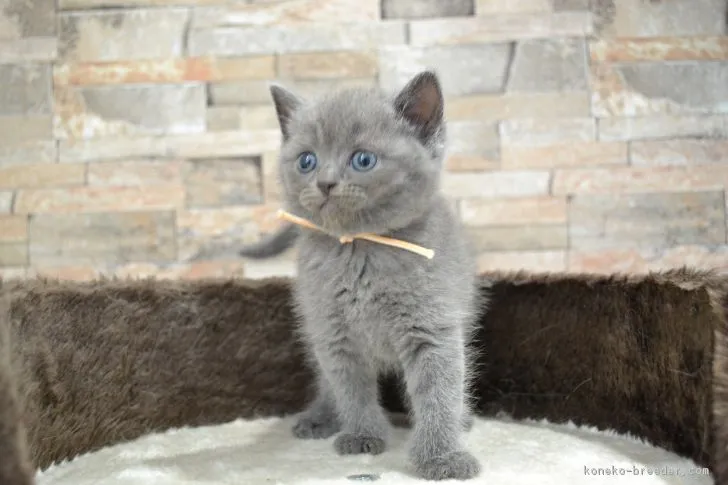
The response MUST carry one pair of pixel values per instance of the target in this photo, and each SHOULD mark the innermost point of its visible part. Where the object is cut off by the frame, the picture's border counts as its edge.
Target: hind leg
(468, 420)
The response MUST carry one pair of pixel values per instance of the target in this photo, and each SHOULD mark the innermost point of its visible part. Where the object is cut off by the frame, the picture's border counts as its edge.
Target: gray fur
(366, 308)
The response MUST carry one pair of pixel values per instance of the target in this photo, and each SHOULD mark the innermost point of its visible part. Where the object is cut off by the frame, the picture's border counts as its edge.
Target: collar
(407, 246)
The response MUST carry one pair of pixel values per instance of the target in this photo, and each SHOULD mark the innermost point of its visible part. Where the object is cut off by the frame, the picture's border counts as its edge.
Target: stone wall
(136, 133)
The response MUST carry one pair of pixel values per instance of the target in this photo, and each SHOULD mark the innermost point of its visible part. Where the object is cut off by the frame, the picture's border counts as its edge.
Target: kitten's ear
(286, 103)
(420, 102)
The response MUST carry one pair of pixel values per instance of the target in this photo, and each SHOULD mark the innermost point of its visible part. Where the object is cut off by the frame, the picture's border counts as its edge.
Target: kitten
(357, 161)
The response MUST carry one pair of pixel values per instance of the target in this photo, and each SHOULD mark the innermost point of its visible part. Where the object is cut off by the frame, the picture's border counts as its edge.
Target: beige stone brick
(29, 49)
(15, 130)
(272, 187)
(491, 7)
(463, 69)
(407, 9)
(26, 89)
(545, 131)
(13, 228)
(101, 4)
(639, 179)
(496, 184)
(514, 211)
(6, 201)
(472, 140)
(181, 271)
(643, 89)
(472, 163)
(30, 18)
(562, 5)
(111, 149)
(549, 65)
(678, 152)
(122, 34)
(156, 71)
(642, 260)
(656, 49)
(223, 182)
(664, 126)
(499, 28)
(533, 261)
(41, 175)
(286, 13)
(258, 92)
(89, 112)
(135, 173)
(223, 118)
(496, 107)
(328, 65)
(519, 238)
(575, 154)
(294, 38)
(102, 238)
(240, 92)
(310, 88)
(227, 118)
(28, 153)
(99, 199)
(213, 234)
(218, 144)
(637, 18)
(224, 144)
(646, 220)
(13, 254)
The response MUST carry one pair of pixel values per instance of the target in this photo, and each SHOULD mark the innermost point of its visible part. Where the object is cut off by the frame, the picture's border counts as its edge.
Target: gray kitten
(358, 161)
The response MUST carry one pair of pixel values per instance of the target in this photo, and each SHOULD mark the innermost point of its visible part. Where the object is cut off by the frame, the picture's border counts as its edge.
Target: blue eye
(363, 161)
(306, 162)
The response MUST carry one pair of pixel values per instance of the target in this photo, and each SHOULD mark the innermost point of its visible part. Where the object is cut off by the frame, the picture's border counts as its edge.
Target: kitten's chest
(355, 283)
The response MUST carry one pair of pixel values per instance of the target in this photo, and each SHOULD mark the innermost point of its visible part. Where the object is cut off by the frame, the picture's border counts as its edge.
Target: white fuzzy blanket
(264, 452)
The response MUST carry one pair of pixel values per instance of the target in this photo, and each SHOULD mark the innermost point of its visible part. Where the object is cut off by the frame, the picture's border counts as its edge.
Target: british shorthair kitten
(363, 161)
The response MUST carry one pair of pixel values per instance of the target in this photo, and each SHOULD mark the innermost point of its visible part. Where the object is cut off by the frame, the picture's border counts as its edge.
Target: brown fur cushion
(84, 365)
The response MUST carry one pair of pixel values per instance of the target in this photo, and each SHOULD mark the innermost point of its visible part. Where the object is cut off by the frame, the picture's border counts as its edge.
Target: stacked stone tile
(584, 136)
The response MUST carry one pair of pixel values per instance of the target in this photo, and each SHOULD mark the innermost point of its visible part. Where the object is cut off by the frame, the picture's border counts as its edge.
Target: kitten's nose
(325, 186)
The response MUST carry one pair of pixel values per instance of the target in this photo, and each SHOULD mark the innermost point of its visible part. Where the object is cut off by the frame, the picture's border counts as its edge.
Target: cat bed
(261, 451)
(144, 381)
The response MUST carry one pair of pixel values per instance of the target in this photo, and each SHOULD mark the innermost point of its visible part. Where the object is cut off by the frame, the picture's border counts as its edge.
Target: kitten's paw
(308, 428)
(351, 444)
(458, 465)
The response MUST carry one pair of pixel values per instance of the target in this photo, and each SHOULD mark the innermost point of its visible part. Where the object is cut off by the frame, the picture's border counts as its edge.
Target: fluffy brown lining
(90, 364)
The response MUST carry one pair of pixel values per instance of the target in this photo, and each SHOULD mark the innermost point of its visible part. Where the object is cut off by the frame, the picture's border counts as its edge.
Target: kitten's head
(359, 160)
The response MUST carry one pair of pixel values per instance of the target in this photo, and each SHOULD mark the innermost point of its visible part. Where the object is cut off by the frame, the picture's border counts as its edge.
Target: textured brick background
(585, 136)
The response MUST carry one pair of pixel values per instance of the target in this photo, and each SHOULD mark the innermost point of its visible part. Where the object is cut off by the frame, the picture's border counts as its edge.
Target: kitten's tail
(272, 245)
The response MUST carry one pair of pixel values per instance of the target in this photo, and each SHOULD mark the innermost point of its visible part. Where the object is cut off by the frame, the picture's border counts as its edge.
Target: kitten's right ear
(286, 103)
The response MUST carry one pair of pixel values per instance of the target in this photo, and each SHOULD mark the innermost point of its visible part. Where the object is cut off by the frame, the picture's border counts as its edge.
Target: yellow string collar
(388, 241)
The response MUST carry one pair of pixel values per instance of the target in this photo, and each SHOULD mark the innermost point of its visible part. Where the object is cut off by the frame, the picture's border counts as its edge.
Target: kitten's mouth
(339, 204)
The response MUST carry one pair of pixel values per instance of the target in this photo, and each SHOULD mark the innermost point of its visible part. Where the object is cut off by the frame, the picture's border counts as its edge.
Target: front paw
(351, 444)
(308, 428)
(458, 465)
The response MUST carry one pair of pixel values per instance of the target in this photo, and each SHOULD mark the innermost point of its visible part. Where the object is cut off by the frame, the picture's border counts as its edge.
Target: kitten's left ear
(420, 102)
(286, 103)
